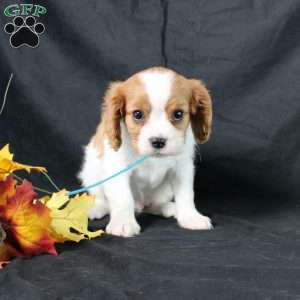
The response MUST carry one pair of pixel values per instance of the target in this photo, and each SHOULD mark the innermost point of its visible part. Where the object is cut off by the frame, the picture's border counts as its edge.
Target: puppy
(157, 113)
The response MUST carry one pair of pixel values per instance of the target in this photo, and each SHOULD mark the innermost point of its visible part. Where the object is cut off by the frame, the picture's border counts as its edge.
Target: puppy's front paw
(125, 228)
(195, 221)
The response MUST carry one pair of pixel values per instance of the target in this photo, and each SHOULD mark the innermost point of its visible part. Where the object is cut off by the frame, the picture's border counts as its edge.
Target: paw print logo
(24, 31)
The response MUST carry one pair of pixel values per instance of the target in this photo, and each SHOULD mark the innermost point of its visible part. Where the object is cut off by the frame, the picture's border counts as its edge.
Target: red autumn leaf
(26, 223)
(7, 189)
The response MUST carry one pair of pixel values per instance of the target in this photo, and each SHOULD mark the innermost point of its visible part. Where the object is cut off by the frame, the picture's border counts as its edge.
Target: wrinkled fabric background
(248, 177)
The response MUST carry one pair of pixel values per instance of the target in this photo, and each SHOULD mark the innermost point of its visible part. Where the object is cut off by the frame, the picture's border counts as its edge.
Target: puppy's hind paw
(166, 210)
(98, 211)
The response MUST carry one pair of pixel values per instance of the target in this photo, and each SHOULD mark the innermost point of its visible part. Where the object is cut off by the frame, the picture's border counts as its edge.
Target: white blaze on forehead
(158, 86)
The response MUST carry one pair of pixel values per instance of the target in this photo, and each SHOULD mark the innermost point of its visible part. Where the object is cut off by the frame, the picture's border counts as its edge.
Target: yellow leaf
(7, 165)
(70, 217)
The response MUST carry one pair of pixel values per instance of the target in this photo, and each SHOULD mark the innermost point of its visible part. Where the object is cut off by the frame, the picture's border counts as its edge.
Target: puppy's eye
(177, 115)
(138, 115)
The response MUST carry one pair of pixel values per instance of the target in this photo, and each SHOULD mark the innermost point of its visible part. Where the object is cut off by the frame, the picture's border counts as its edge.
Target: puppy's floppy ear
(201, 111)
(114, 110)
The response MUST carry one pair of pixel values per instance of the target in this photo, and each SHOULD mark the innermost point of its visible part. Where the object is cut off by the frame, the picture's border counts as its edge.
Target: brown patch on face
(136, 100)
(179, 100)
(192, 97)
(174, 105)
(120, 101)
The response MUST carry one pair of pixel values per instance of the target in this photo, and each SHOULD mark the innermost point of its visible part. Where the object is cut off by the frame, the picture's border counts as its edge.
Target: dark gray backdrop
(247, 52)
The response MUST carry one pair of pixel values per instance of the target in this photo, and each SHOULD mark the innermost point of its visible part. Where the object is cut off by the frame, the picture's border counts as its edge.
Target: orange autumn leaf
(7, 189)
(6, 250)
(6, 253)
(26, 223)
(7, 165)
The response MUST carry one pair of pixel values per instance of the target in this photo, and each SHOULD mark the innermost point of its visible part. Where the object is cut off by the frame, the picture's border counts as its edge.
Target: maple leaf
(26, 223)
(7, 189)
(7, 165)
(70, 217)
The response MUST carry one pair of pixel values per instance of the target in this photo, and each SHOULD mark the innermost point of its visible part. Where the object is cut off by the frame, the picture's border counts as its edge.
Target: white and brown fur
(163, 184)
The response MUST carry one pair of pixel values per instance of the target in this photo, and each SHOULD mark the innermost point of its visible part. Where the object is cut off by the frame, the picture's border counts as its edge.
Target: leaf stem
(34, 187)
(51, 181)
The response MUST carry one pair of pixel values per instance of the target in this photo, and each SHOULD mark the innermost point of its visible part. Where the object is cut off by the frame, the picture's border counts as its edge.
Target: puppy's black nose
(158, 143)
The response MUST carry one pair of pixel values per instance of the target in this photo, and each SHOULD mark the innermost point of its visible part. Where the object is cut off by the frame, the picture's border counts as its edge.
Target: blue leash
(129, 167)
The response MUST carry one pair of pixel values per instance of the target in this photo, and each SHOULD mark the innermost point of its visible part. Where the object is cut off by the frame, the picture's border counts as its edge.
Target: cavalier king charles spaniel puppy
(159, 113)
